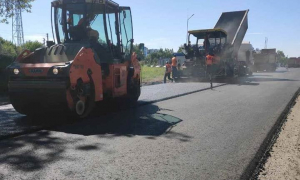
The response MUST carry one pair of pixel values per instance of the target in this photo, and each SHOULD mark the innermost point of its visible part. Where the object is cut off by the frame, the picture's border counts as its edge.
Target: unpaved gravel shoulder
(284, 160)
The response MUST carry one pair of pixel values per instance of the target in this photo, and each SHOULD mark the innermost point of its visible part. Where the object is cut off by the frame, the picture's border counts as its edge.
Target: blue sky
(162, 23)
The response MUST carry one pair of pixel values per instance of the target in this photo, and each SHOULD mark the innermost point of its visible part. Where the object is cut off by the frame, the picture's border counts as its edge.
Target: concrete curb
(253, 169)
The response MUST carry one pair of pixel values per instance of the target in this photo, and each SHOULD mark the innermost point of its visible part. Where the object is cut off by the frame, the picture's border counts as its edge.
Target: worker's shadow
(146, 120)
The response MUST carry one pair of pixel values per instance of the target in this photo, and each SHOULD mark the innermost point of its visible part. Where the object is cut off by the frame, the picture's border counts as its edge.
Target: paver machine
(90, 61)
(223, 41)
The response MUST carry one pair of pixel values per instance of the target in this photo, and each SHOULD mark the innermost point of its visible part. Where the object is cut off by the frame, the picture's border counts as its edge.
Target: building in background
(294, 62)
(145, 51)
(150, 51)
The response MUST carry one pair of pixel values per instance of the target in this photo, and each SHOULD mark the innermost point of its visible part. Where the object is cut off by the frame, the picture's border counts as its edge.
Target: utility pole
(47, 36)
(17, 25)
(187, 29)
(266, 43)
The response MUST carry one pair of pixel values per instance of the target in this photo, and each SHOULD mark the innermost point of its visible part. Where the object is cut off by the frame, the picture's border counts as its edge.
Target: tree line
(153, 58)
(9, 51)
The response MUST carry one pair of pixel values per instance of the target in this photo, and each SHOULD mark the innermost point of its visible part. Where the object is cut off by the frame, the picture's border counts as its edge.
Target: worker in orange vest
(209, 62)
(174, 68)
(168, 72)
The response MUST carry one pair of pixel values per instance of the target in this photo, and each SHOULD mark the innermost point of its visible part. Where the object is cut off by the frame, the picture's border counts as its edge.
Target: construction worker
(91, 33)
(174, 68)
(206, 44)
(209, 63)
(190, 50)
(179, 72)
(168, 72)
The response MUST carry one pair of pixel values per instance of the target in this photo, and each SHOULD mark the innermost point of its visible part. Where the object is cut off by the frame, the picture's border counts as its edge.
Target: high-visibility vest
(174, 61)
(209, 60)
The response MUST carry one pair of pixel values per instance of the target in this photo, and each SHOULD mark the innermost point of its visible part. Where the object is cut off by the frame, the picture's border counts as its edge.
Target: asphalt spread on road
(206, 135)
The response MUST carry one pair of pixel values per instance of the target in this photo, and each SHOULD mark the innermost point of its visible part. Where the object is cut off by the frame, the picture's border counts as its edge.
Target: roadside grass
(152, 74)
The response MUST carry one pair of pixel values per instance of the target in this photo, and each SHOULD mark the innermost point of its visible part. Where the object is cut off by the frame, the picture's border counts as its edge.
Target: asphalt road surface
(12, 123)
(212, 134)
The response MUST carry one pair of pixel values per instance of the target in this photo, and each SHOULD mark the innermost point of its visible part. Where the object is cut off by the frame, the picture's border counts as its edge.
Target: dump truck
(90, 60)
(245, 58)
(224, 41)
(265, 60)
(293, 62)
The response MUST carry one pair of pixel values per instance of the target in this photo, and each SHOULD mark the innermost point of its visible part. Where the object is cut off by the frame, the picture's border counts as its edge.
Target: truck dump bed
(235, 24)
(294, 62)
(265, 56)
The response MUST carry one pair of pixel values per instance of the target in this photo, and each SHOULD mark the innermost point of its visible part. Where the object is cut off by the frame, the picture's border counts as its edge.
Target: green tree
(180, 49)
(7, 54)
(160, 54)
(32, 45)
(154, 61)
(282, 59)
(7, 8)
(7, 48)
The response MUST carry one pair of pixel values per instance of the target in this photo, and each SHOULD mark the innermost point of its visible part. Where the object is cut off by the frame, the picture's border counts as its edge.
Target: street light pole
(187, 28)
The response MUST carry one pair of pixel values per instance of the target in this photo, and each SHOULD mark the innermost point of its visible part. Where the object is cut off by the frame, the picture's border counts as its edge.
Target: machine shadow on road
(21, 153)
(116, 119)
(12, 123)
(142, 121)
(33, 152)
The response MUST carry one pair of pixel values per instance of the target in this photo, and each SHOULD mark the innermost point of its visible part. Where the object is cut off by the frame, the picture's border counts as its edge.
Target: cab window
(111, 30)
(126, 32)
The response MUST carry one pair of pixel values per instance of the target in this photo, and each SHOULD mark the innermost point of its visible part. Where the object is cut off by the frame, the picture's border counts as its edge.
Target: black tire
(28, 109)
(134, 91)
(19, 106)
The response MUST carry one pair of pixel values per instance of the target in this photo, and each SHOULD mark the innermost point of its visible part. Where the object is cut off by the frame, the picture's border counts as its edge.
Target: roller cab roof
(110, 2)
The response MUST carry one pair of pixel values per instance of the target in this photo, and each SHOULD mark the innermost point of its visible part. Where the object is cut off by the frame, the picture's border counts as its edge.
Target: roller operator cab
(91, 60)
